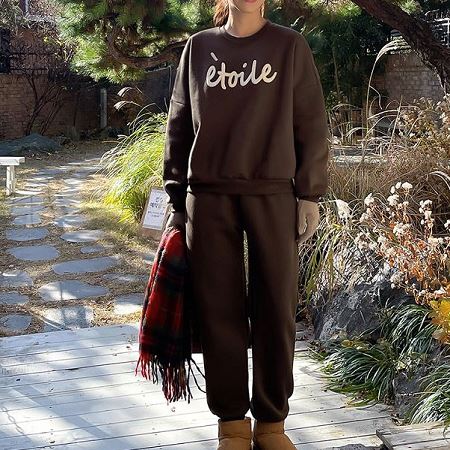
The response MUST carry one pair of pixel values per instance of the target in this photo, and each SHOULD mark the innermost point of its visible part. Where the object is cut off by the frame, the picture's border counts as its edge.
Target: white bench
(11, 162)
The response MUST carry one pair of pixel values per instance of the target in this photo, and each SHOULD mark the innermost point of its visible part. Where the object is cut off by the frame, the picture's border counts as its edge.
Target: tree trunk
(336, 73)
(417, 33)
(140, 62)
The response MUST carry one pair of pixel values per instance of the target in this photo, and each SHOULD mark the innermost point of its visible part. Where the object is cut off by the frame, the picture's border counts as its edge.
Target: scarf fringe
(175, 383)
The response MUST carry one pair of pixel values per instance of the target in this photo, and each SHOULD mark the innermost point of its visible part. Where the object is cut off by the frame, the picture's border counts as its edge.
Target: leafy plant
(364, 370)
(134, 165)
(367, 371)
(410, 331)
(434, 401)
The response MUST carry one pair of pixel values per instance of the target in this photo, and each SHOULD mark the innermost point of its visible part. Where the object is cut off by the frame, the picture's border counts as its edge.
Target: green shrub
(135, 164)
(434, 400)
(367, 371)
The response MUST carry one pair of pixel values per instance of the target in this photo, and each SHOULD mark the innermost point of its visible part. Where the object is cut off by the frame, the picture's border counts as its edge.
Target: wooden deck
(416, 437)
(77, 390)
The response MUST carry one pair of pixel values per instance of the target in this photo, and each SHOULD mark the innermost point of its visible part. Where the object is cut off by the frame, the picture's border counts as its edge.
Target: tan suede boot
(270, 436)
(235, 434)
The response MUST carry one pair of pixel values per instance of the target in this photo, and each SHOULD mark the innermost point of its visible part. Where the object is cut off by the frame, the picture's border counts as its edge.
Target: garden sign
(155, 213)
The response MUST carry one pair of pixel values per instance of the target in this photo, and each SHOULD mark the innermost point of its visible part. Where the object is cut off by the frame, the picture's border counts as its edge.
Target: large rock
(407, 390)
(33, 143)
(354, 309)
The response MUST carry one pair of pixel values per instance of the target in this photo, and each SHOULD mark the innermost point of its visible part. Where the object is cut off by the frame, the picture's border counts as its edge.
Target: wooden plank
(362, 442)
(23, 374)
(101, 378)
(7, 160)
(80, 392)
(354, 443)
(37, 342)
(58, 415)
(75, 352)
(67, 350)
(442, 444)
(124, 424)
(99, 400)
(90, 356)
(428, 435)
(63, 346)
(117, 410)
(28, 341)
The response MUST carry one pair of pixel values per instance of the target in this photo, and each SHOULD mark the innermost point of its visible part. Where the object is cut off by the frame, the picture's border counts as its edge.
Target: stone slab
(28, 199)
(26, 209)
(45, 172)
(71, 192)
(70, 200)
(64, 210)
(148, 259)
(41, 179)
(70, 290)
(125, 278)
(73, 181)
(91, 265)
(12, 298)
(93, 168)
(83, 235)
(26, 234)
(34, 184)
(34, 252)
(67, 318)
(128, 304)
(92, 249)
(15, 322)
(15, 278)
(72, 220)
(27, 219)
(29, 191)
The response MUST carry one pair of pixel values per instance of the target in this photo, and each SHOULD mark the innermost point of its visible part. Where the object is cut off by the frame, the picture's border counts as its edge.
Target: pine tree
(120, 39)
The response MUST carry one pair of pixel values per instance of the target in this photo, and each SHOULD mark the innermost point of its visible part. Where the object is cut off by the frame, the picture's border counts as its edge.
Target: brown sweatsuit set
(246, 137)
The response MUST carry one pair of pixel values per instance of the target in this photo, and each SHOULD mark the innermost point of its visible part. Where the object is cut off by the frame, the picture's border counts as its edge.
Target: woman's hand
(307, 219)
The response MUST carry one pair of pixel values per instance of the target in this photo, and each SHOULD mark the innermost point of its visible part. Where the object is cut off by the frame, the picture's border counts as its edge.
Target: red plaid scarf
(168, 333)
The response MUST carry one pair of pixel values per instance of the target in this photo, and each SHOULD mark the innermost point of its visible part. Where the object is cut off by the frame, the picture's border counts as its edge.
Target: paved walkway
(55, 272)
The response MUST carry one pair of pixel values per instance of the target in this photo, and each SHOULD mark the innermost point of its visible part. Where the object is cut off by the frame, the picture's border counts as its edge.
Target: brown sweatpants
(214, 235)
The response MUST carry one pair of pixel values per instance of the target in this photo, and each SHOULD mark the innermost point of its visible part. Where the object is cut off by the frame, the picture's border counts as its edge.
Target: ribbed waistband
(241, 186)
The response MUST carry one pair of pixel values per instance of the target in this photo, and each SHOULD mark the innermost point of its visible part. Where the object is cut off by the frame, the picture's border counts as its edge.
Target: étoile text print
(231, 79)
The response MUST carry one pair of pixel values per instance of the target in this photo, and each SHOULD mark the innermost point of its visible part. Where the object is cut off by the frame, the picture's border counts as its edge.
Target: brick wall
(80, 108)
(155, 92)
(406, 78)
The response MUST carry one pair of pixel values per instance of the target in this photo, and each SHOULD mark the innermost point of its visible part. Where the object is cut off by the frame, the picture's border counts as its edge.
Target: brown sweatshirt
(246, 115)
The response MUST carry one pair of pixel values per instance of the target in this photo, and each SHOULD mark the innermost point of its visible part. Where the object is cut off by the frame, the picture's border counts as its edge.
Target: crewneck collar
(243, 39)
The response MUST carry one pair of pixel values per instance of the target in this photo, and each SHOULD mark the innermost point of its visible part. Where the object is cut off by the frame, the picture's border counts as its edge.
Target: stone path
(57, 272)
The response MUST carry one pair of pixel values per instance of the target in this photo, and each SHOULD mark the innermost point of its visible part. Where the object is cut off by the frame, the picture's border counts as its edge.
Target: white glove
(307, 219)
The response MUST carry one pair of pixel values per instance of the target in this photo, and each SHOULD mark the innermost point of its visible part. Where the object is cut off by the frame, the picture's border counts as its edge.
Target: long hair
(221, 11)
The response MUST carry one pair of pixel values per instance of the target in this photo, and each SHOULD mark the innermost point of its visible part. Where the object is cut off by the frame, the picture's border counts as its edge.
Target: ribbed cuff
(311, 198)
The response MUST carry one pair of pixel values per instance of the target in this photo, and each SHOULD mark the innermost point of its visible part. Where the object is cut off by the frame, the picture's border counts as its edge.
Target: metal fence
(440, 25)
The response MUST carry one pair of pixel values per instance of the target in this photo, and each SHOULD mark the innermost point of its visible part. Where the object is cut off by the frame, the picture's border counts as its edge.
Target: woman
(246, 150)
